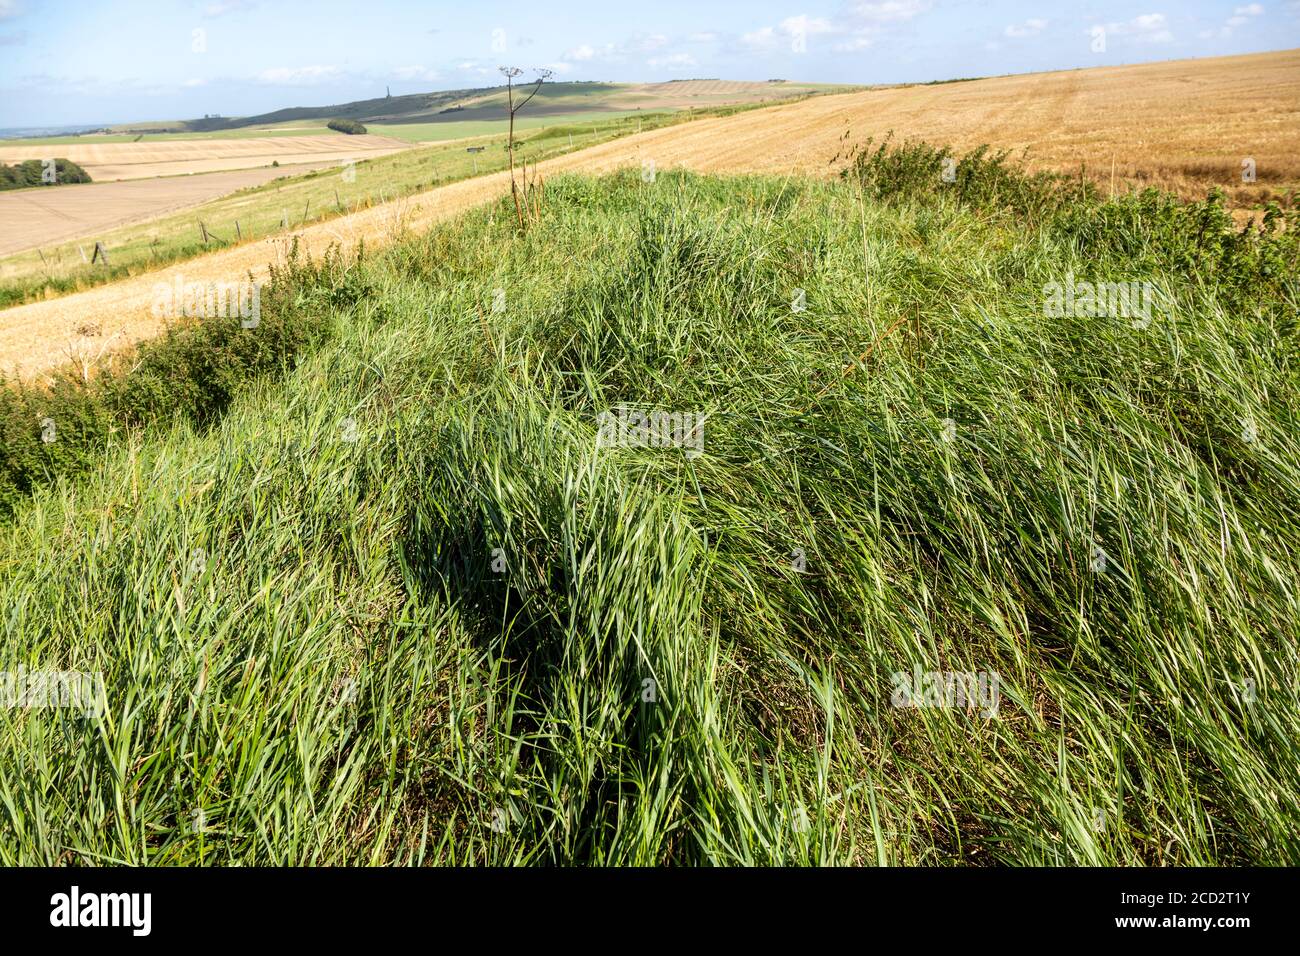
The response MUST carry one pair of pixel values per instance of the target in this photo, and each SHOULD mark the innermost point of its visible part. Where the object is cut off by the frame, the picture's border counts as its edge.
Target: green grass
(394, 604)
(458, 129)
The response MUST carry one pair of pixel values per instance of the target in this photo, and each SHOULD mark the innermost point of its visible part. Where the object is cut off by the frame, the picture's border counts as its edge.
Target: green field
(459, 129)
(364, 585)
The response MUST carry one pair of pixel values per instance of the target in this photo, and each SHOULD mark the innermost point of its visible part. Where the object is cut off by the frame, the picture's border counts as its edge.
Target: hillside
(490, 103)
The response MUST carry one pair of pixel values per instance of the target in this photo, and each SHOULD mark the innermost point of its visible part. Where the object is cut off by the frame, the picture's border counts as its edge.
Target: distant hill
(409, 107)
(490, 103)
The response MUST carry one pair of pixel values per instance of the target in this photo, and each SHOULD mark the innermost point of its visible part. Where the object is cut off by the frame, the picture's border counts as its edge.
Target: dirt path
(1184, 124)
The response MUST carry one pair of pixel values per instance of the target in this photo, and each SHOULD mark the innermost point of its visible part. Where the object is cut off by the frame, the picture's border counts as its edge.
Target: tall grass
(400, 606)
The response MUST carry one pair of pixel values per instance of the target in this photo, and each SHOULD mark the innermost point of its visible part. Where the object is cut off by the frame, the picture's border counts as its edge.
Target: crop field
(1185, 126)
(94, 139)
(43, 218)
(176, 157)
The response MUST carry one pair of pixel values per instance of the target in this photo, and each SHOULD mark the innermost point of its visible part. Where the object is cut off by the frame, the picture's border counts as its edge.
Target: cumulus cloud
(1144, 28)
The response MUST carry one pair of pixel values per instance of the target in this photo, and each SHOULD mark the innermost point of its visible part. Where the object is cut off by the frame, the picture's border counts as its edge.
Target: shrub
(351, 127)
(31, 173)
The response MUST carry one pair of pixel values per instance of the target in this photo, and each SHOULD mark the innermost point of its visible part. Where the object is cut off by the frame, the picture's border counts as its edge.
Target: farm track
(1184, 125)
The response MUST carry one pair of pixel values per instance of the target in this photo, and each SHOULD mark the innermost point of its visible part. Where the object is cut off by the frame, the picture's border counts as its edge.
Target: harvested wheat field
(1183, 125)
(37, 217)
(110, 161)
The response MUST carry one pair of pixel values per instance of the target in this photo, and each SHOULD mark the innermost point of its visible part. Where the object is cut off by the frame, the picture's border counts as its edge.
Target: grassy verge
(403, 606)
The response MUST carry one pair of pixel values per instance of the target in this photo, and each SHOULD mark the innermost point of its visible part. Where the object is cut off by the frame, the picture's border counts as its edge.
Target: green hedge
(351, 127)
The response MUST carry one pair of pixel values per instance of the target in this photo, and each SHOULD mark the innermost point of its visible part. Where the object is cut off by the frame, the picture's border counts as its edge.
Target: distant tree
(351, 127)
(36, 172)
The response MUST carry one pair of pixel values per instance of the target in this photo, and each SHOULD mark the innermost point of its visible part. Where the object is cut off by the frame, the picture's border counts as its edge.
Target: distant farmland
(460, 129)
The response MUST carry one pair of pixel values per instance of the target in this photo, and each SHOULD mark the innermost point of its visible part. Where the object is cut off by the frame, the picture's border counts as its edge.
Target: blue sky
(91, 61)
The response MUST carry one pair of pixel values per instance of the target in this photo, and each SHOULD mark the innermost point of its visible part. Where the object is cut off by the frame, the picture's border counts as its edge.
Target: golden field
(179, 157)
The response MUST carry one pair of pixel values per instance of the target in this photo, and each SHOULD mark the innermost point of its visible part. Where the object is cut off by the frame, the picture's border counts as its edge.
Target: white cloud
(1145, 28)
(559, 67)
(195, 82)
(672, 61)
(767, 39)
(9, 8)
(299, 75)
(1240, 17)
(706, 36)
(1031, 27)
(864, 22)
(886, 11)
(619, 52)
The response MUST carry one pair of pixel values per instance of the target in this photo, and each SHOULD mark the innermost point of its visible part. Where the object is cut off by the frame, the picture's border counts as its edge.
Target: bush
(30, 173)
(351, 127)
